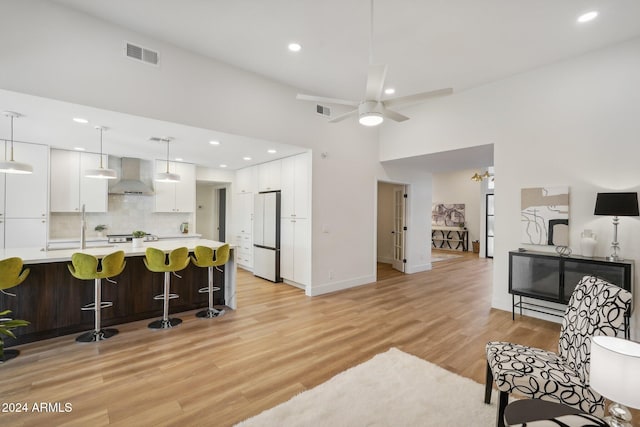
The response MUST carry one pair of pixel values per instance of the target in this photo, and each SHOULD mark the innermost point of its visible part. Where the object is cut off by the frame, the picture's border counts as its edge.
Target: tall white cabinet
(25, 200)
(245, 185)
(176, 196)
(295, 225)
(70, 189)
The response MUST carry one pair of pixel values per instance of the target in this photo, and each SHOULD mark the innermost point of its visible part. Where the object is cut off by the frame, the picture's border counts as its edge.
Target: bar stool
(155, 260)
(85, 267)
(11, 275)
(203, 257)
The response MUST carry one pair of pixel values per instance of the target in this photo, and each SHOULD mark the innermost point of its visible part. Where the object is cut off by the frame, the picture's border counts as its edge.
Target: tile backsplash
(126, 213)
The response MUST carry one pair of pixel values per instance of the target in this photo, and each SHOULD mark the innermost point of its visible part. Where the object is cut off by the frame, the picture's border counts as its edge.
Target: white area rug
(392, 389)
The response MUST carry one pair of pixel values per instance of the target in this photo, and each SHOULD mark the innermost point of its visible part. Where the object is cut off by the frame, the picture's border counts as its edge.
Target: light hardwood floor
(278, 343)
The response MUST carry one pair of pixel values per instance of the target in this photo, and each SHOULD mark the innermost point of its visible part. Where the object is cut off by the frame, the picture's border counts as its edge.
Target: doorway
(211, 210)
(391, 227)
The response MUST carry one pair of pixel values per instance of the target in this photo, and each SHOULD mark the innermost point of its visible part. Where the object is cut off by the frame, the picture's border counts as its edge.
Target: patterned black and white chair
(596, 307)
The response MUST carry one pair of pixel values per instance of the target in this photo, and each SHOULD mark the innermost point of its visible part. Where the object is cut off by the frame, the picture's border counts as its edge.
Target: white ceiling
(427, 44)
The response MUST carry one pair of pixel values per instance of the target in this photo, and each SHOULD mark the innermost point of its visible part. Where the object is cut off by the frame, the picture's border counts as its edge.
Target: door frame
(406, 219)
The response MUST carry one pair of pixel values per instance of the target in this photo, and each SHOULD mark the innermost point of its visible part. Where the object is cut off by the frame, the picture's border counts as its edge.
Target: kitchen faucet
(83, 230)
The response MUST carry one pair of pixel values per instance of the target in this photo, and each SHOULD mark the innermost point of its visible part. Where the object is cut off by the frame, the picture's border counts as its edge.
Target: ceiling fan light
(167, 177)
(371, 119)
(101, 173)
(11, 166)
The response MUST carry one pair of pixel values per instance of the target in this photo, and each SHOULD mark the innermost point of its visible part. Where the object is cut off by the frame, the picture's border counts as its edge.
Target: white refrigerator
(266, 236)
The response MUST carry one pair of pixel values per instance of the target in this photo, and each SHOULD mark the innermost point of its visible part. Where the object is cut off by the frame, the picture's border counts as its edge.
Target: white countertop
(39, 256)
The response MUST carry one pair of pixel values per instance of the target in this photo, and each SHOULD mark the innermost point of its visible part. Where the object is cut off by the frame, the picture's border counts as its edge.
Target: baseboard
(326, 288)
(294, 284)
(385, 260)
(410, 269)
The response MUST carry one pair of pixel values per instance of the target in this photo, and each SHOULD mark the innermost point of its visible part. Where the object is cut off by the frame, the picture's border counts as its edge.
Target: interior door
(399, 208)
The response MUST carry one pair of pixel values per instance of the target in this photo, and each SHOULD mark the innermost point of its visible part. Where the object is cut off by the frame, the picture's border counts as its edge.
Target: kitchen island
(51, 298)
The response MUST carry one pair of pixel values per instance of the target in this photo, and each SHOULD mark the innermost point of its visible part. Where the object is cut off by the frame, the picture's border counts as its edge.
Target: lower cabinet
(295, 250)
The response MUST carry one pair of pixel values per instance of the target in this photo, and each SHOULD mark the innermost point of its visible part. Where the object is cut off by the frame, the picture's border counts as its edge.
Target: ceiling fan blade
(390, 114)
(344, 116)
(375, 82)
(418, 97)
(325, 100)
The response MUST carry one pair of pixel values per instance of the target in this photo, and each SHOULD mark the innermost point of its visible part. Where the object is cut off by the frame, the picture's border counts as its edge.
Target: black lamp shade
(617, 204)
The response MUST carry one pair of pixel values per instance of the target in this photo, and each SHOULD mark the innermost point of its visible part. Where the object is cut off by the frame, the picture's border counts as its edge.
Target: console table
(449, 238)
(550, 277)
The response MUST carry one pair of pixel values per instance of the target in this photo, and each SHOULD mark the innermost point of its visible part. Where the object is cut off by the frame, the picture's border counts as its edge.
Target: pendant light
(101, 172)
(166, 176)
(11, 166)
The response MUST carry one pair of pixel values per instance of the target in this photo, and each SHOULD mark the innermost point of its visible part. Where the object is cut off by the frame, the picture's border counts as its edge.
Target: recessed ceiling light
(295, 47)
(78, 148)
(389, 91)
(272, 151)
(179, 159)
(214, 142)
(223, 166)
(246, 158)
(589, 16)
(80, 120)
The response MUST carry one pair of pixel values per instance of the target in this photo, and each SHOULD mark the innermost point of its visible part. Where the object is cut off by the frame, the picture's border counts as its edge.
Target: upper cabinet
(176, 196)
(246, 180)
(296, 186)
(269, 176)
(70, 189)
(26, 195)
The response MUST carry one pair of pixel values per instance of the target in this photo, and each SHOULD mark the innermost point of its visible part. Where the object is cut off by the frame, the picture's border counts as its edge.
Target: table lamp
(615, 374)
(616, 204)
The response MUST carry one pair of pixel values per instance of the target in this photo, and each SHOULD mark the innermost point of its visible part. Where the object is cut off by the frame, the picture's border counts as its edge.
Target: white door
(258, 223)
(399, 207)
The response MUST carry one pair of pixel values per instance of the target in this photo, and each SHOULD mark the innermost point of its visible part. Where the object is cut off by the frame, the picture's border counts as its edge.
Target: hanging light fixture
(101, 172)
(11, 166)
(166, 176)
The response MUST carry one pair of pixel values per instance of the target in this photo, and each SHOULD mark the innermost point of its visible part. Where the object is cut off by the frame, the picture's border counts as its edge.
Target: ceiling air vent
(140, 53)
(323, 111)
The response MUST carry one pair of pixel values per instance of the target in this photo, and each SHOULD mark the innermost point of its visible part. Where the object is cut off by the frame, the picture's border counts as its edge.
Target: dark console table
(550, 277)
(456, 238)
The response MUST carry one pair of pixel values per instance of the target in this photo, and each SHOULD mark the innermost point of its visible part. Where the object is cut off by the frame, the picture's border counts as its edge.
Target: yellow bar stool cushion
(88, 267)
(11, 275)
(203, 256)
(156, 261)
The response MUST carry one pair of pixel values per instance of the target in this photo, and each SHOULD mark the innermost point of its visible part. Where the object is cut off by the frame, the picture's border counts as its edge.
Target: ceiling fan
(373, 110)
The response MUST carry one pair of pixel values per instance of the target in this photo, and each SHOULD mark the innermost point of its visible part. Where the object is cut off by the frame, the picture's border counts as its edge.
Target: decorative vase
(588, 243)
(136, 242)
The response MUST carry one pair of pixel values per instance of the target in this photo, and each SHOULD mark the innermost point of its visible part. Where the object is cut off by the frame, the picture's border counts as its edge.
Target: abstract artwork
(545, 216)
(447, 215)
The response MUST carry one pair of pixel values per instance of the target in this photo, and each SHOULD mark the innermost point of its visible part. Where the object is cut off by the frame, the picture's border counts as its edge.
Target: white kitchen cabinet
(295, 250)
(296, 186)
(246, 180)
(269, 176)
(26, 195)
(243, 218)
(176, 196)
(70, 189)
(25, 233)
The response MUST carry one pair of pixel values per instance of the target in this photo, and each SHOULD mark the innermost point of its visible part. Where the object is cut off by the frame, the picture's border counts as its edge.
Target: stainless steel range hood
(131, 179)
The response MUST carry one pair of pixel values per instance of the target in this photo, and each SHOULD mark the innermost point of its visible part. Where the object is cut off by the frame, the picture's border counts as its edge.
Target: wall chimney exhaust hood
(131, 181)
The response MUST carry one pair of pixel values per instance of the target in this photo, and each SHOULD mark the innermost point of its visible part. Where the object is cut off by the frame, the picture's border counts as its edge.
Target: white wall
(572, 123)
(66, 55)
(457, 187)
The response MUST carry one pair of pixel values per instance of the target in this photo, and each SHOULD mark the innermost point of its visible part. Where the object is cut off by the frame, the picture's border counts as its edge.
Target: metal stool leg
(98, 334)
(166, 322)
(210, 312)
